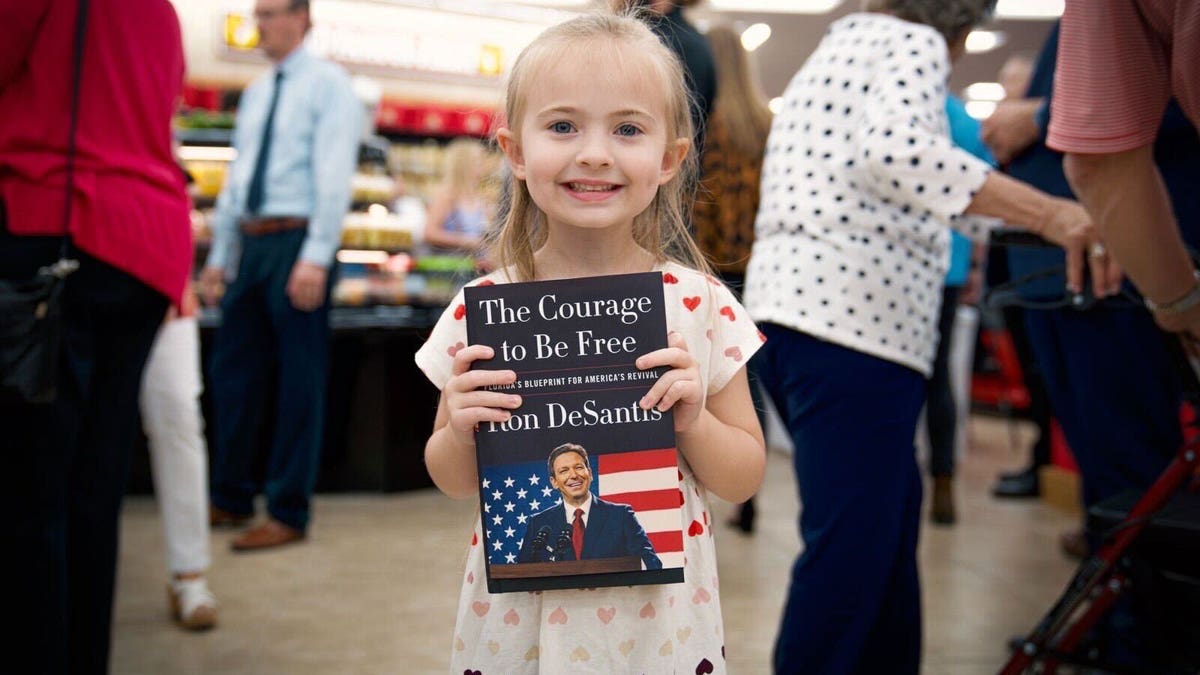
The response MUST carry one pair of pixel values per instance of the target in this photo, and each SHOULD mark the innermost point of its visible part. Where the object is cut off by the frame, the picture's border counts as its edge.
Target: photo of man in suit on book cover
(583, 526)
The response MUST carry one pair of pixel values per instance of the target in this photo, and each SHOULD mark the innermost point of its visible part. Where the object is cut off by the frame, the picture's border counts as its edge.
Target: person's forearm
(1125, 195)
(451, 465)
(1011, 200)
(727, 460)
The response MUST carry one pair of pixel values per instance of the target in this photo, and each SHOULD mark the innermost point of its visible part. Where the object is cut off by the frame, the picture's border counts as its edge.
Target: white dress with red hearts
(673, 628)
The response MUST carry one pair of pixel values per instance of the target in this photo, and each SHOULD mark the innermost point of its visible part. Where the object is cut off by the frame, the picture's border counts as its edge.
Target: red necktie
(577, 534)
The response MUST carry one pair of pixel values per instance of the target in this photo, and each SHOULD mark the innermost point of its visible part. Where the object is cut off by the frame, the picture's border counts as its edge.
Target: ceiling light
(778, 6)
(754, 36)
(985, 91)
(776, 105)
(980, 109)
(980, 41)
(1029, 9)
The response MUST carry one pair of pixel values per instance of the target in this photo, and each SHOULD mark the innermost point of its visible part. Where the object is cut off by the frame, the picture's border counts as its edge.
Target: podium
(564, 568)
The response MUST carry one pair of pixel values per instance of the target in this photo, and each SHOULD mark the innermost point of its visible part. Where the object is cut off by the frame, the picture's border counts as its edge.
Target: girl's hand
(679, 387)
(468, 403)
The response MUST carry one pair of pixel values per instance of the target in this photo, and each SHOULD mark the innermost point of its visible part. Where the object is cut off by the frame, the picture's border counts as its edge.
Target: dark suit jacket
(612, 532)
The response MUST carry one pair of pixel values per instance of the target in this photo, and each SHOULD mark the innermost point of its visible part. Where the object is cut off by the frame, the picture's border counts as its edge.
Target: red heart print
(460, 312)
(705, 517)
(647, 611)
(681, 498)
(480, 608)
(669, 278)
(761, 337)
(453, 349)
(692, 303)
(695, 528)
(727, 311)
(734, 353)
(712, 280)
(512, 618)
(702, 596)
(470, 577)
(474, 538)
(705, 667)
(558, 616)
(606, 614)
(680, 475)
(487, 282)
(708, 334)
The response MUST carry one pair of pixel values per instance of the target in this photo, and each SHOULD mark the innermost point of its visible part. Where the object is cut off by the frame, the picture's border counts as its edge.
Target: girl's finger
(466, 355)
(481, 398)
(670, 356)
(476, 379)
(679, 390)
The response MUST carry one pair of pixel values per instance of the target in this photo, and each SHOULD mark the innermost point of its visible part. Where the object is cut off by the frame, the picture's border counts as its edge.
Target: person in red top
(1119, 62)
(65, 463)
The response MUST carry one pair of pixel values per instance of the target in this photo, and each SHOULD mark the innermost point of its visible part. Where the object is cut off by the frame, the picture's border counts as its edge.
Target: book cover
(580, 488)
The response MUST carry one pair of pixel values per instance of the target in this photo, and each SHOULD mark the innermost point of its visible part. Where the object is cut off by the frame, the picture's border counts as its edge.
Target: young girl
(598, 142)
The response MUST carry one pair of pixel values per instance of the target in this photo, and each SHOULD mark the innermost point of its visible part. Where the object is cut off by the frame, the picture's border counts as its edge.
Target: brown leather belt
(257, 227)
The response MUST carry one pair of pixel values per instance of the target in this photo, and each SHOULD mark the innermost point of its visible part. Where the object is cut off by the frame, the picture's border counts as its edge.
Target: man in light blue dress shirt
(284, 199)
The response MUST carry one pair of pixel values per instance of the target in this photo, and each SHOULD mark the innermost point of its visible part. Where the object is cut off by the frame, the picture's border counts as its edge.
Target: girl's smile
(590, 190)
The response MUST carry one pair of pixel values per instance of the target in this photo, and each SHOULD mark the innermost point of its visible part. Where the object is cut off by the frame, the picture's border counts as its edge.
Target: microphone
(538, 545)
(563, 545)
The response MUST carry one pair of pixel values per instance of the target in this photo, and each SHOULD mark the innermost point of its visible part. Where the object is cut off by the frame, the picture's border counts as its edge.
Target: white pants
(170, 404)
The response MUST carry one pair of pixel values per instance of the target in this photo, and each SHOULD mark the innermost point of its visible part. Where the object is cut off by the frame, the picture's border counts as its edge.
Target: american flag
(647, 480)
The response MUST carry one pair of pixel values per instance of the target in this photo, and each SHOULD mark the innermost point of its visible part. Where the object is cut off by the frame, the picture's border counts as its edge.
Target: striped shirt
(1119, 62)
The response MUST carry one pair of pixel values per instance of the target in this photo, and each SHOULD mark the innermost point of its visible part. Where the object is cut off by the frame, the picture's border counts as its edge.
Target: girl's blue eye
(562, 127)
(628, 130)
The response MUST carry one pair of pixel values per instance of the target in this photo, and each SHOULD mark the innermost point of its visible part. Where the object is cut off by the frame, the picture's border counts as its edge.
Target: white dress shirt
(314, 151)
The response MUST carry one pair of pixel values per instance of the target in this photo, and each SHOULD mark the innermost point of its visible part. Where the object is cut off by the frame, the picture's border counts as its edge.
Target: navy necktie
(257, 191)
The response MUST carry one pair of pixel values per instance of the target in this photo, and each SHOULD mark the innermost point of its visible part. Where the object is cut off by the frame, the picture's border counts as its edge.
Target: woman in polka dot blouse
(860, 188)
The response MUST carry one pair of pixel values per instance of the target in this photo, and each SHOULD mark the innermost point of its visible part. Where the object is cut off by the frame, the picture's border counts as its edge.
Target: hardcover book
(580, 487)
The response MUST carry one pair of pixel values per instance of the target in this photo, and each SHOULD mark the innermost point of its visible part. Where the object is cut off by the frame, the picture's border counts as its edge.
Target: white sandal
(193, 606)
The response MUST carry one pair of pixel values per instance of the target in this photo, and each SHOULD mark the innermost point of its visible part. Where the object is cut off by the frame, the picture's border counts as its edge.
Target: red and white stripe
(1119, 61)
(648, 481)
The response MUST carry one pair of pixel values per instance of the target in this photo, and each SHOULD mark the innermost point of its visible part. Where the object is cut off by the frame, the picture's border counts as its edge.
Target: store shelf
(206, 137)
(356, 318)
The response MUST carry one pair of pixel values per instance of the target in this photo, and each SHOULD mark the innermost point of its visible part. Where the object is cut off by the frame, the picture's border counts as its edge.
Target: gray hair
(948, 17)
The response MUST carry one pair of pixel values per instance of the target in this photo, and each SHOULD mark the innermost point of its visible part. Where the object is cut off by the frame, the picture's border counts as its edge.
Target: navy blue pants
(266, 349)
(1114, 390)
(854, 604)
(66, 465)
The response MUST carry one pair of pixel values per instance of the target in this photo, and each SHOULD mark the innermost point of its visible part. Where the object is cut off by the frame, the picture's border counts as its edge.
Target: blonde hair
(740, 102)
(460, 167)
(662, 228)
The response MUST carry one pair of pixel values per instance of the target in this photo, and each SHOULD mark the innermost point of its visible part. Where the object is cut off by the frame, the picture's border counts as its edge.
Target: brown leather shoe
(942, 510)
(222, 518)
(269, 534)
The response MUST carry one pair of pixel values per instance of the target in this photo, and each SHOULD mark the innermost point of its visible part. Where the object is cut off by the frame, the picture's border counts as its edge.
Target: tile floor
(374, 590)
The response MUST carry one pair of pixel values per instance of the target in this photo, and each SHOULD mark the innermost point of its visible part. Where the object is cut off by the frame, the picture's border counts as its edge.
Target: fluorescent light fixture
(980, 41)
(985, 91)
(776, 105)
(351, 257)
(981, 109)
(565, 4)
(1029, 9)
(775, 6)
(205, 153)
(754, 36)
